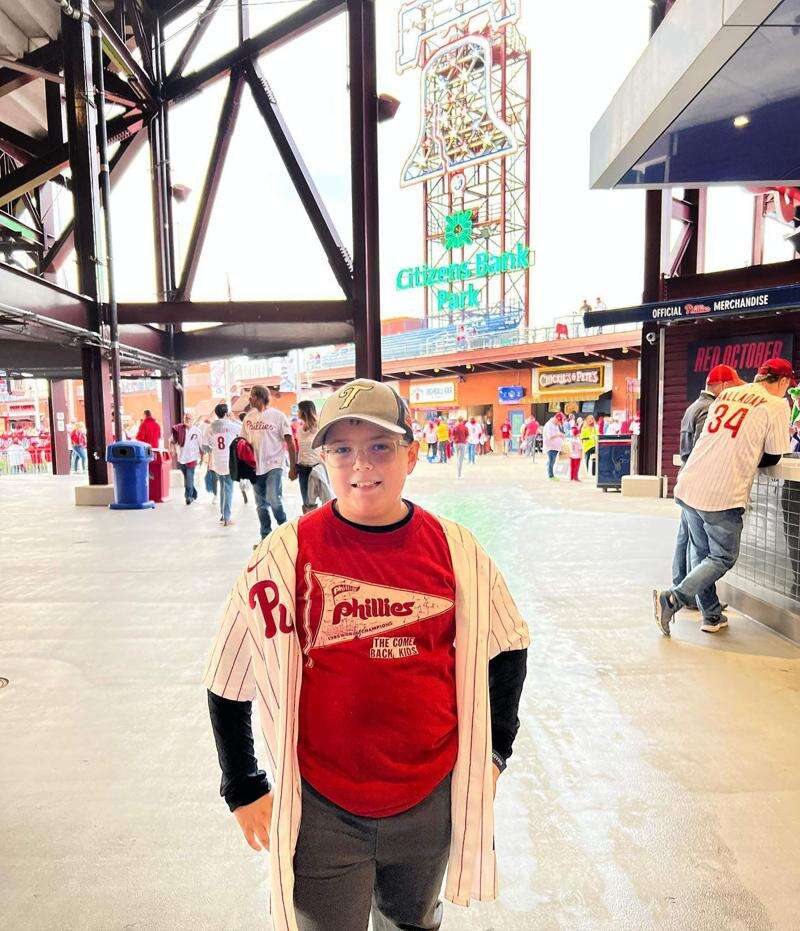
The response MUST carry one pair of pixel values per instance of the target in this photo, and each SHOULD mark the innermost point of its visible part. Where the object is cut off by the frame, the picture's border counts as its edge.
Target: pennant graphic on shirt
(352, 610)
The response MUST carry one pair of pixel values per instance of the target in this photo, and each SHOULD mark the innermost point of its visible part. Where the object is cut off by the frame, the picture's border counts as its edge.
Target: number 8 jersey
(220, 435)
(743, 423)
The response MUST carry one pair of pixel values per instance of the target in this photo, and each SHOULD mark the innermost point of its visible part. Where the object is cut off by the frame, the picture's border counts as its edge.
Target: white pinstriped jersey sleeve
(229, 671)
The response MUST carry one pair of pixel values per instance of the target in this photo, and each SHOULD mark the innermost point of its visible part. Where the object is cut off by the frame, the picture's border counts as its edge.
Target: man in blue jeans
(719, 378)
(268, 432)
(747, 428)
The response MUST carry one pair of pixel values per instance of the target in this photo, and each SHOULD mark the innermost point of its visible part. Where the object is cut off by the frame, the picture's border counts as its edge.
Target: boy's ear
(413, 456)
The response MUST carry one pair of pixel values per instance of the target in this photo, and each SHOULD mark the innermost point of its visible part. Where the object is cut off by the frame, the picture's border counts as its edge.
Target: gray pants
(346, 866)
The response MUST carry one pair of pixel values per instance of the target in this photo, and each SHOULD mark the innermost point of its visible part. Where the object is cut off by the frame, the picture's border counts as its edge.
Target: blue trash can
(131, 460)
(613, 461)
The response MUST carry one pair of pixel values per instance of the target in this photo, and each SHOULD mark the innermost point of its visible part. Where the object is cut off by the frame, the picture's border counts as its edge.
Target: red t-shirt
(505, 431)
(378, 724)
(532, 428)
(78, 438)
(460, 433)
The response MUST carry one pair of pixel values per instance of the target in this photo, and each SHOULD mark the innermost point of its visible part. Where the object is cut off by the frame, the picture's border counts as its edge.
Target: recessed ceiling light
(741, 121)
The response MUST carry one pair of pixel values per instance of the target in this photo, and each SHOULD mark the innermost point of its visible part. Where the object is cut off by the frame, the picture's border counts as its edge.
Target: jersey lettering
(733, 423)
(265, 595)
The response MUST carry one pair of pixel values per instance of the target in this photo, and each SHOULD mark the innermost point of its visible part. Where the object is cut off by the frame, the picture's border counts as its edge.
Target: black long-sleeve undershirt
(231, 721)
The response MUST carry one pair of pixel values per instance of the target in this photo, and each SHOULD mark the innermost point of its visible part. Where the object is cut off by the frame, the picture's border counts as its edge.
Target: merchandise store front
(686, 340)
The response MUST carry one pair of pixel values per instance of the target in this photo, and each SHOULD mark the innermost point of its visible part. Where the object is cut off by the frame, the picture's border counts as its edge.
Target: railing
(444, 340)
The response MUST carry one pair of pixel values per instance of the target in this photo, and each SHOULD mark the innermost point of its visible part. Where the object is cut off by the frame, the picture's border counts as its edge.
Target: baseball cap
(367, 400)
(722, 373)
(780, 367)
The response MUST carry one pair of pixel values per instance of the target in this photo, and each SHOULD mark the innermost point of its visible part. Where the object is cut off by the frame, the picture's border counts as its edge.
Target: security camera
(651, 338)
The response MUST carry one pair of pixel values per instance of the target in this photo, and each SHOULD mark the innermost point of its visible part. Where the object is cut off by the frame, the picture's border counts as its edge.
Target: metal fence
(444, 340)
(769, 554)
(24, 461)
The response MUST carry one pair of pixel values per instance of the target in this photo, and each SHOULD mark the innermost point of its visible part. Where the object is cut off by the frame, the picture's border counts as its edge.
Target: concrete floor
(656, 783)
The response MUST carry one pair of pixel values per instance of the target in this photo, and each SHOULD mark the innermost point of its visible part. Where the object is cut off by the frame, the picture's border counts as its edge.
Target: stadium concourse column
(85, 169)
(59, 417)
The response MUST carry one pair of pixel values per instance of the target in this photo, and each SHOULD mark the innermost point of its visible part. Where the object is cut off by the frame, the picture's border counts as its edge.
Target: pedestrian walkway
(655, 783)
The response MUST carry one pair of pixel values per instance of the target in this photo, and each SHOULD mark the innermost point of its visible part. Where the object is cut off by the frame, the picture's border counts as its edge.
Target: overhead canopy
(714, 99)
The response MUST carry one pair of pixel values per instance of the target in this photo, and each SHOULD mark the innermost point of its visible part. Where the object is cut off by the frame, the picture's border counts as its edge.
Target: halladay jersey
(220, 436)
(743, 423)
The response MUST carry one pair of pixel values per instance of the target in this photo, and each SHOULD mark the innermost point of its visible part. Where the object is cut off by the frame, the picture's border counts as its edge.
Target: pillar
(59, 418)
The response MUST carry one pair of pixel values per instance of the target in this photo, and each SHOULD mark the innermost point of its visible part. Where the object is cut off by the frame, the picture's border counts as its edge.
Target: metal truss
(122, 54)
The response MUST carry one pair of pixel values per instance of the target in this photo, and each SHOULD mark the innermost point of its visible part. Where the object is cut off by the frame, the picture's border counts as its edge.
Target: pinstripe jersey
(743, 423)
(257, 655)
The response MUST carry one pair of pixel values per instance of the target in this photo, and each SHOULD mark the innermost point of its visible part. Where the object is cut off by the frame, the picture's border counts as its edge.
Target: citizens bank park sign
(458, 233)
(720, 305)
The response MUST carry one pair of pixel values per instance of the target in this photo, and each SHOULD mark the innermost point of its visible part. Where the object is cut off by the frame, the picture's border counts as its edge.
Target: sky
(260, 244)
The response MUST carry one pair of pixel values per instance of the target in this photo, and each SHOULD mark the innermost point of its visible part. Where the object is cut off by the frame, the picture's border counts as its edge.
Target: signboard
(511, 394)
(555, 380)
(458, 234)
(743, 353)
(21, 408)
(432, 393)
(721, 305)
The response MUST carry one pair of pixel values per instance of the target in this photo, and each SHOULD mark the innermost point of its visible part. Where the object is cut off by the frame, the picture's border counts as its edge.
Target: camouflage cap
(367, 400)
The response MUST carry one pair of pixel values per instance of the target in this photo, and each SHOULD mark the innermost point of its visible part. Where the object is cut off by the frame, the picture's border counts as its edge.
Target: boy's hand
(254, 820)
(495, 777)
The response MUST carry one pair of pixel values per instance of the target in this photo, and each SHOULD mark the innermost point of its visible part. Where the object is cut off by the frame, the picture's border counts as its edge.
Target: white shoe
(712, 624)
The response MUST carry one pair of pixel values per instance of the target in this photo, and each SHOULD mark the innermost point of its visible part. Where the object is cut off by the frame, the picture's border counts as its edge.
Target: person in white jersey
(747, 428)
(268, 432)
(221, 433)
(185, 445)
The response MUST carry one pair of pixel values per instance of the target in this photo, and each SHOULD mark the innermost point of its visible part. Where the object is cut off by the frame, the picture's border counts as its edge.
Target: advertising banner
(432, 394)
(743, 353)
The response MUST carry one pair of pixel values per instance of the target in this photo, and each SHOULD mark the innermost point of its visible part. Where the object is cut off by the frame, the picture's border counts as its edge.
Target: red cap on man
(782, 368)
(721, 373)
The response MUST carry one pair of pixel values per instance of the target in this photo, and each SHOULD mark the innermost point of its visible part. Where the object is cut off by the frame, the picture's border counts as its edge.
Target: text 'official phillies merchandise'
(371, 676)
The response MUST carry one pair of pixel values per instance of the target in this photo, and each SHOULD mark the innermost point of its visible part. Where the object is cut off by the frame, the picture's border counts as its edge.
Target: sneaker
(553, 478)
(222, 520)
(712, 624)
(665, 606)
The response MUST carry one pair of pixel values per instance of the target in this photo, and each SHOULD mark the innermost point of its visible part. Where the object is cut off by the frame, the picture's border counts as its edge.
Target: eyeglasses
(379, 452)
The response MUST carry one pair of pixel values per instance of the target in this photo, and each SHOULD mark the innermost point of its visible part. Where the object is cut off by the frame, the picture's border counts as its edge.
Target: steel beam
(83, 162)
(329, 238)
(194, 39)
(236, 312)
(171, 9)
(140, 35)
(30, 147)
(117, 51)
(28, 177)
(11, 79)
(227, 121)
(61, 248)
(296, 24)
(364, 187)
(163, 232)
(58, 415)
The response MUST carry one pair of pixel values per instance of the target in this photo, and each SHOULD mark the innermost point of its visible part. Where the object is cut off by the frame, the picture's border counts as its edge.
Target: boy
(388, 659)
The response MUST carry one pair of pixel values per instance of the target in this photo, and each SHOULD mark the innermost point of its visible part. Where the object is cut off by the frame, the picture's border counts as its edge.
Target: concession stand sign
(569, 382)
(743, 353)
